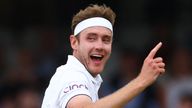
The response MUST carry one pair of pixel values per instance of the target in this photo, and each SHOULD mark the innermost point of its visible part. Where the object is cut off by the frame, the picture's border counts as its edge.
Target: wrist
(141, 83)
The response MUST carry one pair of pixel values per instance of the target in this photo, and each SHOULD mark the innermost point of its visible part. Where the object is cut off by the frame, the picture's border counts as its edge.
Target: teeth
(97, 55)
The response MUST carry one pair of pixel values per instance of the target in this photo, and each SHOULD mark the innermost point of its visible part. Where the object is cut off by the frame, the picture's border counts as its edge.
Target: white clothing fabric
(90, 22)
(70, 80)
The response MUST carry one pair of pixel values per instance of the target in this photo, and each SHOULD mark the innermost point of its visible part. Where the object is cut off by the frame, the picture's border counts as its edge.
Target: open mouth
(96, 57)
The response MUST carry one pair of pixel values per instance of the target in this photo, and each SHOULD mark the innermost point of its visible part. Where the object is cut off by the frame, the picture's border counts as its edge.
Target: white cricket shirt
(70, 80)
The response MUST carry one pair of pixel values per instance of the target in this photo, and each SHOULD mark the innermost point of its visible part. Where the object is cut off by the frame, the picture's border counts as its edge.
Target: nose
(99, 45)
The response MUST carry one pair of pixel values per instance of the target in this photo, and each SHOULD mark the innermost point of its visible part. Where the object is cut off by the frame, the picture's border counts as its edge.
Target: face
(93, 48)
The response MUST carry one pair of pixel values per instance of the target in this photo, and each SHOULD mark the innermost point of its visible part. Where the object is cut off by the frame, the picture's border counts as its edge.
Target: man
(75, 84)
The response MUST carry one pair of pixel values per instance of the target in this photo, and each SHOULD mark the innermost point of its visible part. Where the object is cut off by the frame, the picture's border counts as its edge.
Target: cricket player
(76, 84)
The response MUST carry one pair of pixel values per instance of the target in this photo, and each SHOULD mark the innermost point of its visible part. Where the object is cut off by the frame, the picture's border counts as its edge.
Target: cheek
(84, 48)
(108, 49)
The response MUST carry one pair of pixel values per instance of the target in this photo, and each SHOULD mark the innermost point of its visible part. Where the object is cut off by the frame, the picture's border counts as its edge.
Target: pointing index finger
(154, 50)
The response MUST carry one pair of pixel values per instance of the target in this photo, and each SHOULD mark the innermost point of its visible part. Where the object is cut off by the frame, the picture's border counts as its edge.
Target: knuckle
(162, 71)
(160, 58)
(164, 64)
(154, 66)
(151, 63)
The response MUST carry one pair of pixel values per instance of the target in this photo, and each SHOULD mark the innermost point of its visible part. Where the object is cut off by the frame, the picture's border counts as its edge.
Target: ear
(74, 42)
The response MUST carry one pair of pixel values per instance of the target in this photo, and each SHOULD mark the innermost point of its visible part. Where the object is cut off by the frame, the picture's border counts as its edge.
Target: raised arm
(151, 69)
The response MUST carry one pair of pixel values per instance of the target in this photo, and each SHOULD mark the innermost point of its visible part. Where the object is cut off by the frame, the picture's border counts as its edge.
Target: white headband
(90, 22)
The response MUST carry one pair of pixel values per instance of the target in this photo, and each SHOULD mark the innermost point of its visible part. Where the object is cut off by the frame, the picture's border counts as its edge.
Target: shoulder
(74, 83)
(66, 77)
(70, 74)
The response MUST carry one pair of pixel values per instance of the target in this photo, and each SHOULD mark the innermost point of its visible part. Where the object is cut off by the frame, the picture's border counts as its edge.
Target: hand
(152, 67)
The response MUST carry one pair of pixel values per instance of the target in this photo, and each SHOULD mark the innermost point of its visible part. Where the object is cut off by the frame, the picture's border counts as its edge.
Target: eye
(107, 39)
(91, 38)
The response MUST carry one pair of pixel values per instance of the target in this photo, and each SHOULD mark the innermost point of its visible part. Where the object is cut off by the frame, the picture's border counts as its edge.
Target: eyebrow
(92, 33)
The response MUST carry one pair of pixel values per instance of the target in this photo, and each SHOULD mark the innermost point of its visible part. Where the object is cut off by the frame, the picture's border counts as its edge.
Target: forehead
(99, 30)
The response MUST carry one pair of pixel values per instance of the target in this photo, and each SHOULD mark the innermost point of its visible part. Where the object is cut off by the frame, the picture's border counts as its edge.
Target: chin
(95, 72)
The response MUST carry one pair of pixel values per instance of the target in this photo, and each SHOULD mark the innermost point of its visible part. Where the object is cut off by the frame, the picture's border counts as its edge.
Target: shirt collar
(76, 64)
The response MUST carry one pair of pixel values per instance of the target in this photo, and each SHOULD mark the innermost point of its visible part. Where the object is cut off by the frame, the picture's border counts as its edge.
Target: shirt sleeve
(72, 89)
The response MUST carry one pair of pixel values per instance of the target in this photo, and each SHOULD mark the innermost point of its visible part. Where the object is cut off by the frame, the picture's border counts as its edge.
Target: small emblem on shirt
(74, 86)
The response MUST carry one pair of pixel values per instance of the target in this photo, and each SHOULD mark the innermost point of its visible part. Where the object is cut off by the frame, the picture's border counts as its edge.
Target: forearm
(121, 97)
